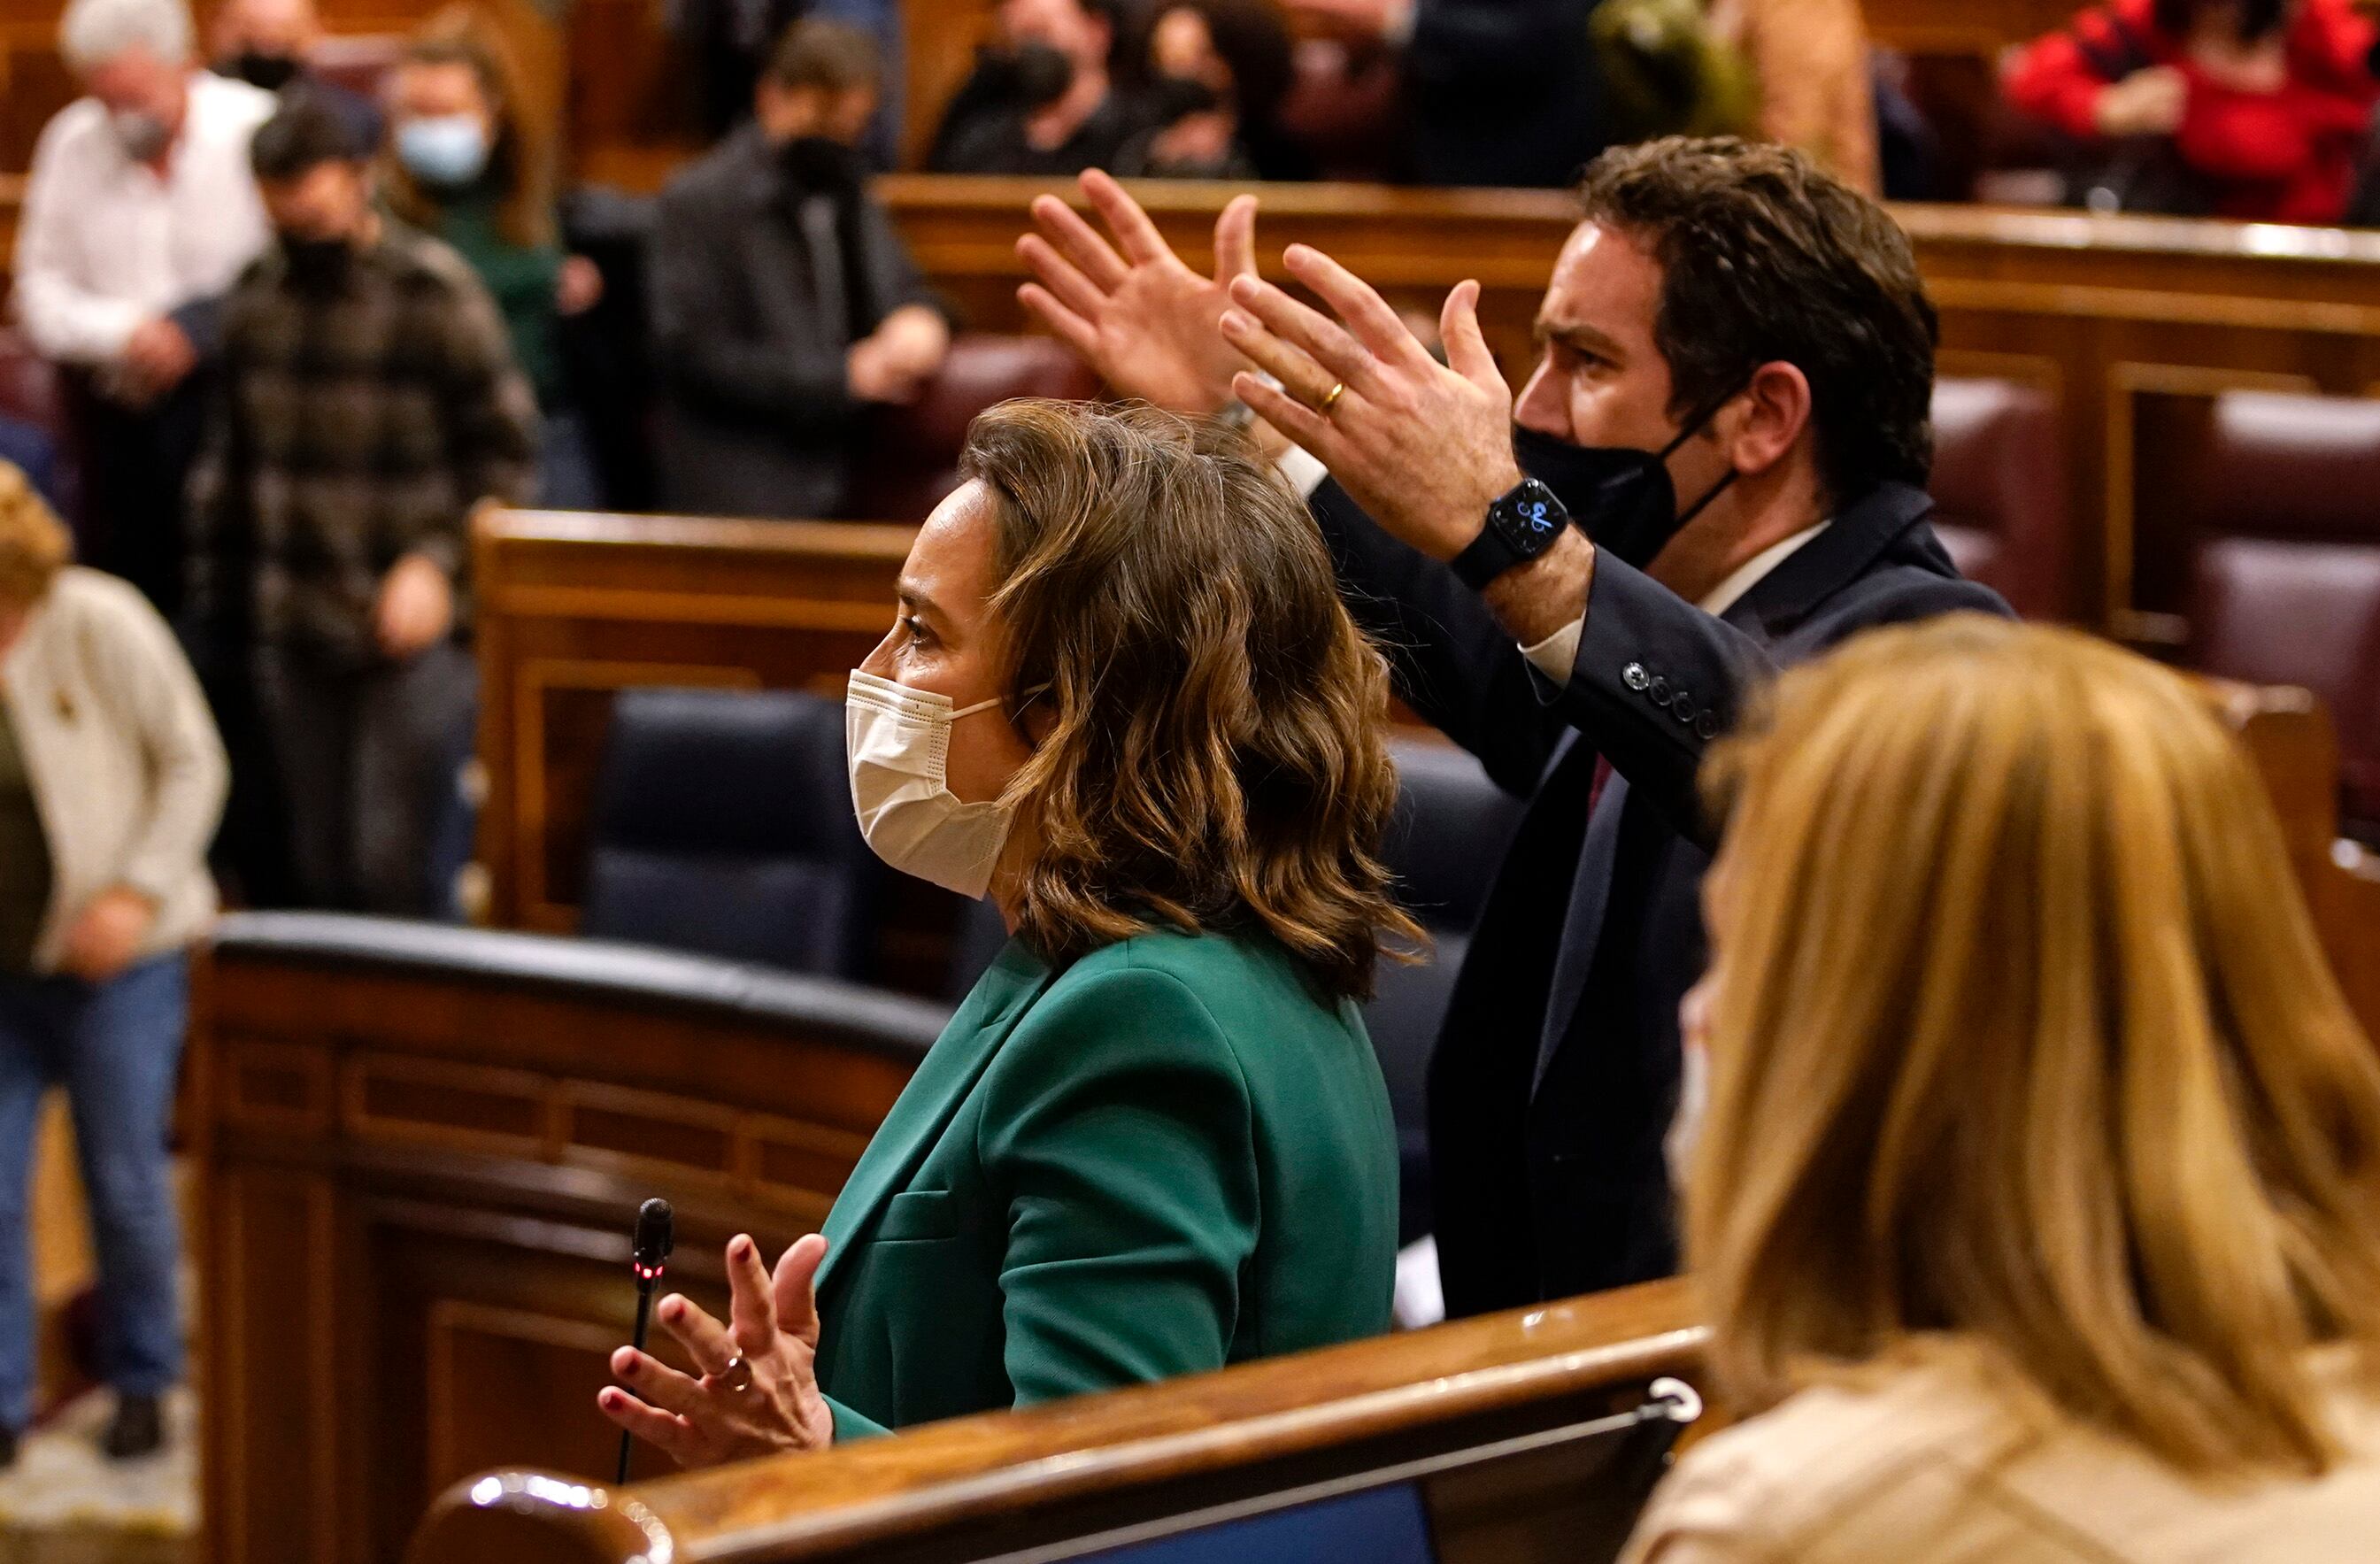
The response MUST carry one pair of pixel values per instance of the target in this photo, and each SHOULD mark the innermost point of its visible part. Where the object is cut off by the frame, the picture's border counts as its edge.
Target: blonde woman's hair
(2020, 1035)
(34, 544)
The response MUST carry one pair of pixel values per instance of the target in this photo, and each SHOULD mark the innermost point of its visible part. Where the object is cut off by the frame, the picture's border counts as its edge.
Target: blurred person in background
(139, 212)
(111, 782)
(370, 401)
(784, 303)
(1214, 74)
(464, 164)
(2036, 1198)
(1043, 100)
(730, 42)
(1497, 91)
(268, 43)
(2256, 109)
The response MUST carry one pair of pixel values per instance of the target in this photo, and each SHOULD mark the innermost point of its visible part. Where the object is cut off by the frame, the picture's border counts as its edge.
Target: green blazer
(1168, 1157)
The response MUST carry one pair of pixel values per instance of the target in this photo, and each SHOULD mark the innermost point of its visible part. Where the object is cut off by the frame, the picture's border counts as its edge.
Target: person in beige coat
(111, 782)
(2036, 1201)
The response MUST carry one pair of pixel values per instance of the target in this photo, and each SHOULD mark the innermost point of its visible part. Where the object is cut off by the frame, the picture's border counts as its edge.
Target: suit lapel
(952, 1065)
(1838, 555)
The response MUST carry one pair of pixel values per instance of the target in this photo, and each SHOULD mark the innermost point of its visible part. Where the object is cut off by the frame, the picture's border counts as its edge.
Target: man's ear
(1768, 419)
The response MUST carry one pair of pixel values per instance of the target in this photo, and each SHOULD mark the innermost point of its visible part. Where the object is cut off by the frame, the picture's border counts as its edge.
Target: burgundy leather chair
(1999, 493)
(910, 456)
(2281, 511)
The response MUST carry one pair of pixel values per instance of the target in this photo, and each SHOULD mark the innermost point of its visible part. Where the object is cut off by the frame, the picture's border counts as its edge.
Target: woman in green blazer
(1124, 700)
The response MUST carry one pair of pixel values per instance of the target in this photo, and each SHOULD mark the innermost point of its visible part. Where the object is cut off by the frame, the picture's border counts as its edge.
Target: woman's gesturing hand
(1142, 319)
(759, 1391)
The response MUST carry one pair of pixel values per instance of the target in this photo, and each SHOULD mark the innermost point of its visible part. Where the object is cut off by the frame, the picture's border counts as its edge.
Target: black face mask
(819, 164)
(1171, 97)
(271, 72)
(1621, 496)
(1035, 74)
(318, 265)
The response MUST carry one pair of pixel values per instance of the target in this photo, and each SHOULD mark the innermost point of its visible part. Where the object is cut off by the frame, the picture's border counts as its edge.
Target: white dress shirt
(106, 245)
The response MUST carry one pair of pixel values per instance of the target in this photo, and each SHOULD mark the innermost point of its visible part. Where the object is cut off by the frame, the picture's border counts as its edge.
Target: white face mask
(898, 741)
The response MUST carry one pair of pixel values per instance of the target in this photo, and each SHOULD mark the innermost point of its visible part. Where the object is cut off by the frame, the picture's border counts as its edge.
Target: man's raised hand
(1139, 316)
(1424, 447)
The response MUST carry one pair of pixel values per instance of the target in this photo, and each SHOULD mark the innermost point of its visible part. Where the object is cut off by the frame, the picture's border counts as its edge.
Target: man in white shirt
(139, 212)
(1714, 470)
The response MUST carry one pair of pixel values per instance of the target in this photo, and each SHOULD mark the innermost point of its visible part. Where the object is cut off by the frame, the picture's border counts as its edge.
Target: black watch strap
(1521, 523)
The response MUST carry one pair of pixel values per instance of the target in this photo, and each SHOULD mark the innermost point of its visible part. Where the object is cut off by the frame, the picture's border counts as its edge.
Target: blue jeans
(115, 1046)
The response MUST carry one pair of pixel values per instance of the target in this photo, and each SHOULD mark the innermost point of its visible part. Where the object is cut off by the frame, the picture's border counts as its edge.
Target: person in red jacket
(2267, 103)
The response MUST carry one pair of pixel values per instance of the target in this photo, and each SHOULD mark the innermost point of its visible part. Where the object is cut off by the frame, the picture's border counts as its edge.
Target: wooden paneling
(574, 608)
(413, 1240)
(1016, 1479)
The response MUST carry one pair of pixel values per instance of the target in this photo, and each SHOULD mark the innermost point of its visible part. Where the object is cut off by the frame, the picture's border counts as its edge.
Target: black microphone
(649, 1259)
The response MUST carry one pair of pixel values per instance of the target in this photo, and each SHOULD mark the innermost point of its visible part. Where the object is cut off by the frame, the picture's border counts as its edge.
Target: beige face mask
(897, 741)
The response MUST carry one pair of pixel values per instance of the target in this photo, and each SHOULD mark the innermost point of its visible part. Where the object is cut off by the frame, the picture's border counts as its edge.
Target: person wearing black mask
(269, 43)
(1716, 468)
(1212, 75)
(1041, 101)
(782, 302)
(329, 509)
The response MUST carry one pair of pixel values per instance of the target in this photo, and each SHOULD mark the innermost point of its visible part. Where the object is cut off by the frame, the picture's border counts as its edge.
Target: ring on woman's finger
(1331, 398)
(736, 1377)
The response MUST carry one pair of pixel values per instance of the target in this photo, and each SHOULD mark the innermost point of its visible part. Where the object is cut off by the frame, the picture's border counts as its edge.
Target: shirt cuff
(1558, 653)
(1304, 469)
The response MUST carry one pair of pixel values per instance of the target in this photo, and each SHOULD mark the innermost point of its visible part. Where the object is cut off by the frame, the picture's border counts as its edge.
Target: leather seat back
(2000, 493)
(909, 458)
(722, 824)
(2278, 505)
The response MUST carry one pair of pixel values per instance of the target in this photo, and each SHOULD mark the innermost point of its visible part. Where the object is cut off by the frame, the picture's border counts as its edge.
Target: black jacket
(1503, 91)
(1545, 1139)
(757, 413)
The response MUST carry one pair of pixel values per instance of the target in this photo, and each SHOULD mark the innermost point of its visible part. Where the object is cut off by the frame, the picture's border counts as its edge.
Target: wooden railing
(982, 1484)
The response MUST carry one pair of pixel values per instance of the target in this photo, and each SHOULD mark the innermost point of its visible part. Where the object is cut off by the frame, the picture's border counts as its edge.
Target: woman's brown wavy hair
(1216, 748)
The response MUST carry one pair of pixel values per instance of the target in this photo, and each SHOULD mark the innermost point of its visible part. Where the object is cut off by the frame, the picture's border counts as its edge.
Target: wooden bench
(1011, 1481)
(420, 1151)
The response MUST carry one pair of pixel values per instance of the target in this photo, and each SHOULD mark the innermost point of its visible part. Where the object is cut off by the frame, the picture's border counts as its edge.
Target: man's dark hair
(305, 132)
(1765, 258)
(832, 55)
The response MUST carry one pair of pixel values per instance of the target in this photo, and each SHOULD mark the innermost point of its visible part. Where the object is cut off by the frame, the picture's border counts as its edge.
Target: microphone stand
(645, 1280)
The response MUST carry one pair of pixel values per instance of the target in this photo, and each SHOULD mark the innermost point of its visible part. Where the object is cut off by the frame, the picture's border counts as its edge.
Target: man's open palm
(1131, 309)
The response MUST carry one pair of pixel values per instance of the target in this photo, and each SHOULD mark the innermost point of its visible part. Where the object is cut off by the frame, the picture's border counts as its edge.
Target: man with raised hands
(1716, 468)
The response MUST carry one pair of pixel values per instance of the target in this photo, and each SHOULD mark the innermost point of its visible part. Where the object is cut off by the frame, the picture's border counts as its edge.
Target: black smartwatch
(1523, 523)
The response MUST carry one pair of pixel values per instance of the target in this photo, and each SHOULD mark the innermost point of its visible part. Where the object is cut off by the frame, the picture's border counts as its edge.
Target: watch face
(1532, 519)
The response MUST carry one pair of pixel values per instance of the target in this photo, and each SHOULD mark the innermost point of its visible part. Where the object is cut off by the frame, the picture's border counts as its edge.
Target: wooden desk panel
(574, 608)
(413, 1236)
(1023, 1476)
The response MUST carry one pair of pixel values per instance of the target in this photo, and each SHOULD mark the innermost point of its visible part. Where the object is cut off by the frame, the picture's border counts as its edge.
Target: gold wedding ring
(1331, 400)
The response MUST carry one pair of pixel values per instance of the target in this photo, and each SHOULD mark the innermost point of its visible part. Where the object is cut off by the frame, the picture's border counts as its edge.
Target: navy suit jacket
(1555, 1072)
